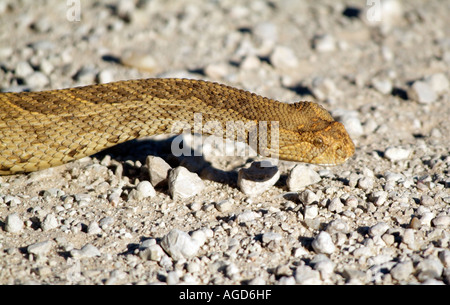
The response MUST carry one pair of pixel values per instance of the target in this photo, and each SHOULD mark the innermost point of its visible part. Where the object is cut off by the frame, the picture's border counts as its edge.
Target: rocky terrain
(136, 214)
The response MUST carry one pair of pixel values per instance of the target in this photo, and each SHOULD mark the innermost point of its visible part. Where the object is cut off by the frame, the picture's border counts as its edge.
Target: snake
(44, 129)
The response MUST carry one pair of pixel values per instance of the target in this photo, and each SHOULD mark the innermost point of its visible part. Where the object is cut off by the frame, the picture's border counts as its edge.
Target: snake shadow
(139, 149)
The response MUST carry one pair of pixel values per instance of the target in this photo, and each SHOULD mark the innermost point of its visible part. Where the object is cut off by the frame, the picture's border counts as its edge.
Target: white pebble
(256, 179)
(86, 251)
(50, 222)
(428, 268)
(382, 85)
(350, 120)
(179, 244)
(337, 225)
(224, 205)
(300, 177)
(247, 216)
(13, 223)
(93, 228)
(172, 278)
(23, 69)
(324, 265)
(378, 197)
(441, 222)
(153, 252)
(438, 82)
(140, 61)
(37, 80)
(402, 270)
(324, 43)
(105, 76)
(422, 92)
(335, 205)
(40, 248)
(378, 229)
(158, 170)
(311, 211)
(305, 275)
(366, 183)
(308, 197)
(146, 189)
(283, 58)
(397, 153)
(271, 236)
(184, 184)
(323, 243)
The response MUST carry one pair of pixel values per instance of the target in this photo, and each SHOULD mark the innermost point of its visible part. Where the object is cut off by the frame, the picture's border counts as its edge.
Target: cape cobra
(48, 128)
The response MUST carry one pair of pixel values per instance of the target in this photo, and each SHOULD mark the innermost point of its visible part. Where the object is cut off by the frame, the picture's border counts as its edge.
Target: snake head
(321, 141)
(331, 145)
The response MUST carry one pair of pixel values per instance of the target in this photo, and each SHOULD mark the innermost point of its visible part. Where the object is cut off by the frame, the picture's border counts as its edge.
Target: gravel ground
(383, 217)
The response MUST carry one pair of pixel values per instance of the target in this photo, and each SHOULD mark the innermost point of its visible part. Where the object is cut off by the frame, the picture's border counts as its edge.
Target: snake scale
(48, 128)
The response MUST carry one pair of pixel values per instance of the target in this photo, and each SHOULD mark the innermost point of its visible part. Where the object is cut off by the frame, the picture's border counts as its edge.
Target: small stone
(408, 238)
(283, 58)
(429, 268)
(323, 243)
(217, 70)
(324, 43)
(106, 222)
(324, 88)
(179, 245)
(350, 120)
(105, 76)
(311, 211)
(402, 270)
(438, 82)
(441, 221)
(305, 275)
(144, 62)
(323, 264)
(153, 252)
(422, 92)
(37, 80)
(415, 223)
(337, 225)
(335, 205)
(231, 270)
(50, 222)
(308, 197)
(378, 229)
(256, 179)
(388, 239)
(247, 216)
(444, 256)
(224, 205)
(86, 251)
(146, 189)
(13, 223)
(397, 153)
(184, 184)
(93, 228)
(366, 183)
(426, 200)
(378, 197)
(23, 69)
(41, 248)
(158, 170)
(383, 85)
(172, 278)
(300, 177)
(271, 236)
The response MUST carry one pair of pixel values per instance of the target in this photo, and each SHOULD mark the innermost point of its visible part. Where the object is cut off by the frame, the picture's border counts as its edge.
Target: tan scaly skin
(48, 128)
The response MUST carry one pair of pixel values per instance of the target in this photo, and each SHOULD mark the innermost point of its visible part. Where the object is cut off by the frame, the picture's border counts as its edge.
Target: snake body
(48, 128)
